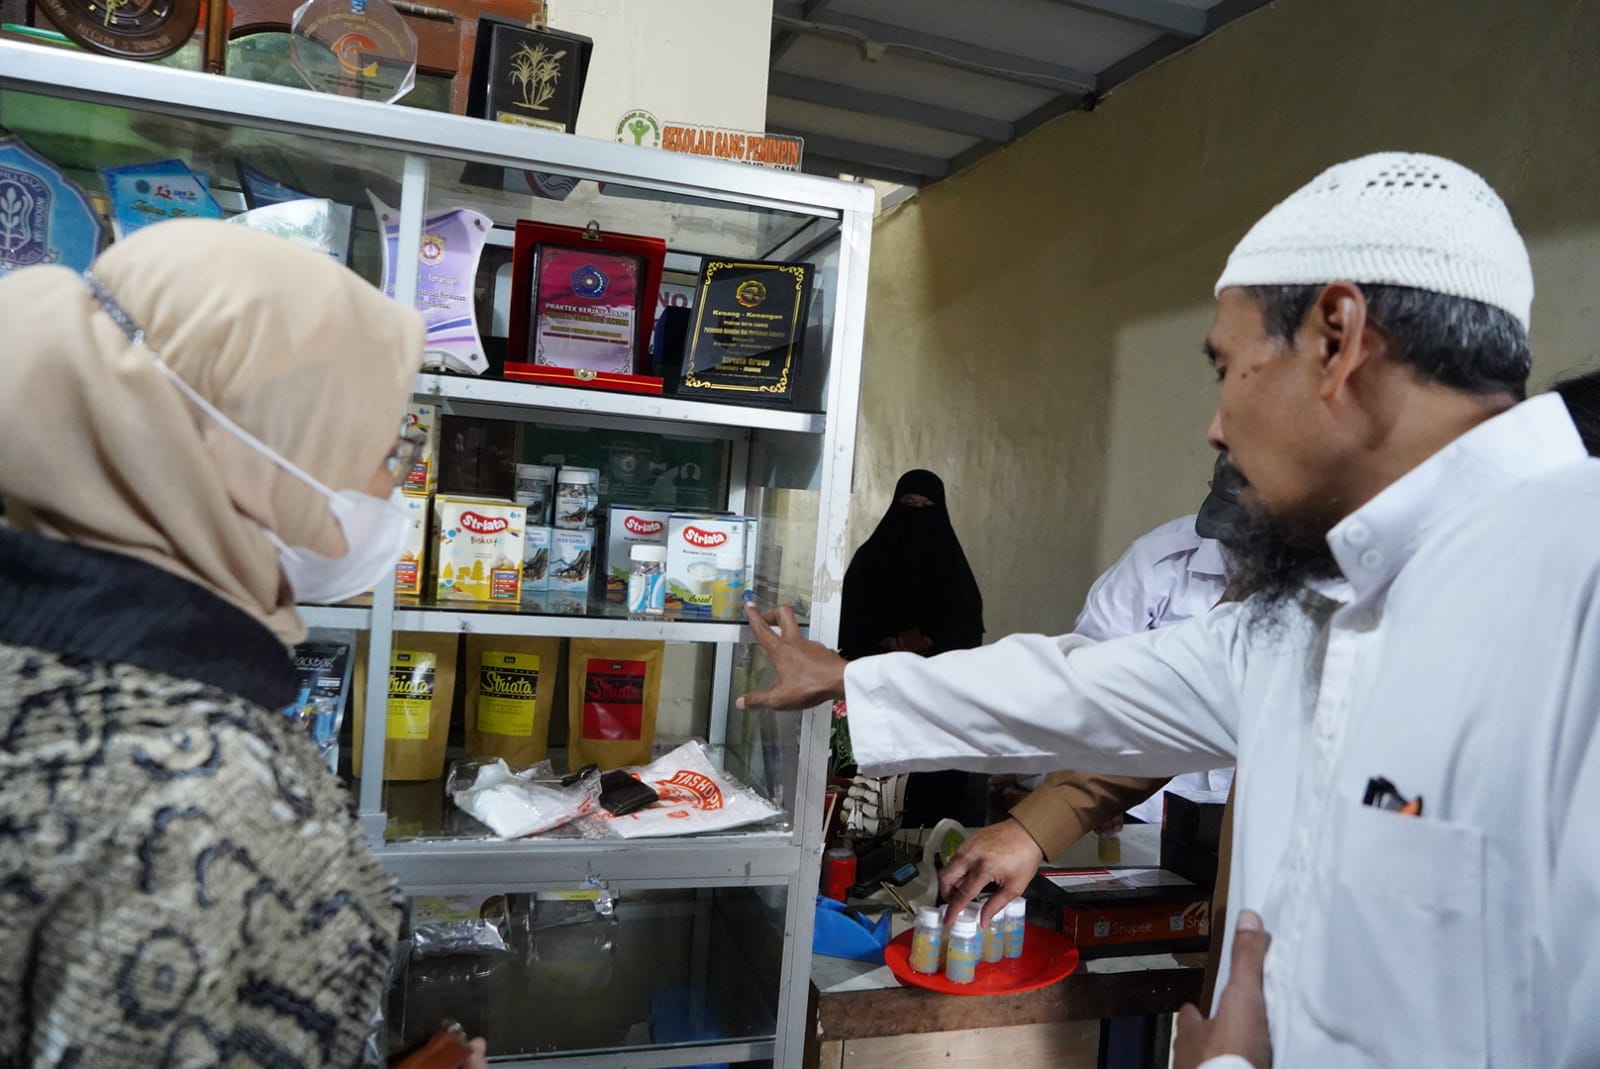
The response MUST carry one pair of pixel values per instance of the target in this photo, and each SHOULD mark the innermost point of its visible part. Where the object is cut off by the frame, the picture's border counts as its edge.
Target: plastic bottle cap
(964, 926)
(577, 475)
(528, 471)
(648, 553)
(1017, 907)
(929, 916)
(972, 912)
(730, 560)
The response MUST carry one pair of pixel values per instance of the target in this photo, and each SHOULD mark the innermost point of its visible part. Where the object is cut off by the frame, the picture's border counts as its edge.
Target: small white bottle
(927, 941)
(647, 582)
(963, 950)
(1015, 926)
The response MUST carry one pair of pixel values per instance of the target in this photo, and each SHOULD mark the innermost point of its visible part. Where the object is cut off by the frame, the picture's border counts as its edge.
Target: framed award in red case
(582, 300)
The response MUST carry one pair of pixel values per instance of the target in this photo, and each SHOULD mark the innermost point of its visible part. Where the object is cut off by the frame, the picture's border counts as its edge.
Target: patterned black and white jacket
(181, 882)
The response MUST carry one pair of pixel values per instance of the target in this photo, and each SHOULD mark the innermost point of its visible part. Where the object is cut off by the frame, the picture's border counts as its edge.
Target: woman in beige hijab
(195, 436)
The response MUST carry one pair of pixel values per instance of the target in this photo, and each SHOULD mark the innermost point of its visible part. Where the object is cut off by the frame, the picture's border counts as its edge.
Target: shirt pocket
(1395, 967)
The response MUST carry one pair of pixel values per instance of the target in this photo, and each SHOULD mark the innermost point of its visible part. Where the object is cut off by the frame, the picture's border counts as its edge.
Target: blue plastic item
(845, 933)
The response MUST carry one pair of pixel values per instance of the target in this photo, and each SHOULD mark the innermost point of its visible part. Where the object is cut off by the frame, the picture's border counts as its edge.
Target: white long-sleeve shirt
(1166, 576)
(1466, 669)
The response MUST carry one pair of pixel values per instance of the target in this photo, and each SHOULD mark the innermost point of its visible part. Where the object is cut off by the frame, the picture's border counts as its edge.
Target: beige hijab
(102, 449)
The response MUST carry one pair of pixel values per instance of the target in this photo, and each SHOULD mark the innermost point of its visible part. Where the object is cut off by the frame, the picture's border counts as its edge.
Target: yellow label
(411, 682)
(508, 689)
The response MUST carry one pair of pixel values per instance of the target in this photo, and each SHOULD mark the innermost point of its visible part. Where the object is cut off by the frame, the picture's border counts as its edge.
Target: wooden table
(866, 1020)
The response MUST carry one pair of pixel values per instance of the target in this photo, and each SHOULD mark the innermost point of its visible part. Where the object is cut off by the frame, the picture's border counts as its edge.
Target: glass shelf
(526, 395)
(548, 615)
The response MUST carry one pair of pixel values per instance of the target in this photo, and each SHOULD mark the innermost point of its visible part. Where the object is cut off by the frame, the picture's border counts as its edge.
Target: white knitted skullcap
(1392, 218)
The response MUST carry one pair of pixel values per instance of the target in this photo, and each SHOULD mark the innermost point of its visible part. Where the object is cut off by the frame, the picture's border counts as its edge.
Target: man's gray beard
(1272, 561)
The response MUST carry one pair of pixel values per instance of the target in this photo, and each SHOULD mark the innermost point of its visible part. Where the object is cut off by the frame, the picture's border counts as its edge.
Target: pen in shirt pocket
(1383, 794)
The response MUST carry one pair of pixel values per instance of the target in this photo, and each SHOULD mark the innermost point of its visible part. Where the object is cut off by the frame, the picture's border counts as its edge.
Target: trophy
(358, 48)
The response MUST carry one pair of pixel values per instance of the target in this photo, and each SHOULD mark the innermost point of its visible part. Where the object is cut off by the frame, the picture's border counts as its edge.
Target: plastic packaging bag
(459, 924)
(513, 805)
(322, 666)
(696, 796)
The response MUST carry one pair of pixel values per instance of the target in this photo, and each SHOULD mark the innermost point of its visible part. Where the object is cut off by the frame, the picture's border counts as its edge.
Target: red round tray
(1047, 956)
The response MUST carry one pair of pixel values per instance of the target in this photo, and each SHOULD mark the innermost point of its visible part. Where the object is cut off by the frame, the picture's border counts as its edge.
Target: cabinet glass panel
(582, 973)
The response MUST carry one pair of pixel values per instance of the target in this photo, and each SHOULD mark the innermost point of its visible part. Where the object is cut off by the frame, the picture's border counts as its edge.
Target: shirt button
(1357, 535)
(1371, 558)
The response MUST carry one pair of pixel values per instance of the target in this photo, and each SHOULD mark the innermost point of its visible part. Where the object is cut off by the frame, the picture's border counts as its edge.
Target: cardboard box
(536, 547)
(627, 527)
(693, 543)
(572, 561)
(1114, 912)
(411, 570)
(423, 478)
(478, 545)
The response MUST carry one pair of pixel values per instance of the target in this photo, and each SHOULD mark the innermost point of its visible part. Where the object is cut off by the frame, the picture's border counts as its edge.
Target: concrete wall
(1034, 324)
(694, 61)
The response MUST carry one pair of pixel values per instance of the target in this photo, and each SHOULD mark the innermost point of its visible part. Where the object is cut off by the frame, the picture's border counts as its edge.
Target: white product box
(572, 561)
(693, 544)
(535, 558)
(423, 478)
(627, 527)
(477, 549)
(411, 570)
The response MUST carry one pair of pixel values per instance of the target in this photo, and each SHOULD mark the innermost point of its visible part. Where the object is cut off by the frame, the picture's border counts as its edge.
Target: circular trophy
(131, 29)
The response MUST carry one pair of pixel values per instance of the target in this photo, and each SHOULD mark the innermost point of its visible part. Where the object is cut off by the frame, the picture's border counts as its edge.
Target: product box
(1115, 912)
(572, 561)
(423, 478)
(693, 543)
(478, 546)
(412, 567)
(536, 558)
(627, 527)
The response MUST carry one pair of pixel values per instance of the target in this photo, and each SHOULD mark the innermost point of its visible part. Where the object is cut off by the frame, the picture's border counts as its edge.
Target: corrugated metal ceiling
(912, 92)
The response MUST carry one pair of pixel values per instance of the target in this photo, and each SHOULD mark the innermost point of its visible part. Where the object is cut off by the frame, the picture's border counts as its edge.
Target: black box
(1194, 863)
(527, 77)
(1199, 823)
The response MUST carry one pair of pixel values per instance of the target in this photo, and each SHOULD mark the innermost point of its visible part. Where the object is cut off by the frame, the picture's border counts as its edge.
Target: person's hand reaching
(809, 673)
(1240, 1024)
(1003, 854)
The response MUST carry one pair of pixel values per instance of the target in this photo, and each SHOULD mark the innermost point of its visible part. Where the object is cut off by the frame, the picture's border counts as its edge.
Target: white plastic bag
(514, 805)
(696, 797)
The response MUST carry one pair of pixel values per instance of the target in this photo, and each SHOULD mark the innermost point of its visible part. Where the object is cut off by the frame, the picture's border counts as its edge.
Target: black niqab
(911, 575)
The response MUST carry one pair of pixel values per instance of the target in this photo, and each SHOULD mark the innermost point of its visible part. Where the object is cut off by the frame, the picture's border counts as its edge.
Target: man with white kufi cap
(1419, 765)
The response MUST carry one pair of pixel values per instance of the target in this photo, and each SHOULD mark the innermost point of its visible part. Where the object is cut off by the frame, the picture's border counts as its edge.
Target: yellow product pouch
(510, 689)
(614, 688)
(422, 685)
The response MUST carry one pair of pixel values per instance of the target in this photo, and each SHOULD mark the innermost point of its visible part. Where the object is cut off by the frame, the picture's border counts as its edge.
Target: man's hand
(809, 673)
(1240, 1026)
(1004, 854)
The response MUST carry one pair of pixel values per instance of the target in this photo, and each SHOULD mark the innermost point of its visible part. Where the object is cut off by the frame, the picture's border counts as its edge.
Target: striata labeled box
(694, 542)
(478, 547)
(627, 527)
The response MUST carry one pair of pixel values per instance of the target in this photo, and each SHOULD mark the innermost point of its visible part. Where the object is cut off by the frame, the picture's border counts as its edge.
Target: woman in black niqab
(909, 587)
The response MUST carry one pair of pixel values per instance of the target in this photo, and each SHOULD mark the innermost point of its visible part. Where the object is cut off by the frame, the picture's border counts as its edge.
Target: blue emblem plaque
(45, 218)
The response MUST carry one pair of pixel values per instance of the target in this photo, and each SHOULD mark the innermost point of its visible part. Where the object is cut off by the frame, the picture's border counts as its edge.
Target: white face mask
(374, 528)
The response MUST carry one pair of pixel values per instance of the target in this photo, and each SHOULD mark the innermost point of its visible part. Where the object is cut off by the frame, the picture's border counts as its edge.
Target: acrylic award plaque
(128, 29)
(527, 76)
(447, 272)
(44, 217)
(146, 193)
(354, 48)
(745, 340)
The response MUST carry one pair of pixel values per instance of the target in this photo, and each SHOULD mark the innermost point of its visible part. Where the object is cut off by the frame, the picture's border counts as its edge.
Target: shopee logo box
(478, 547)
(694, 541)
(627, 527)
